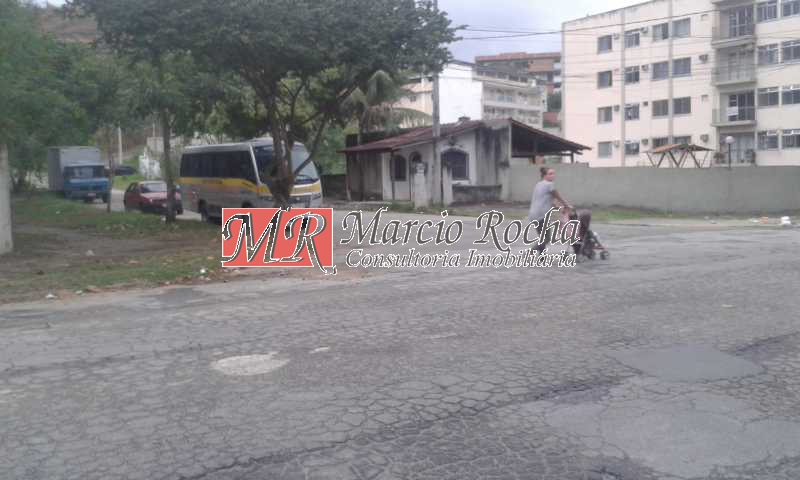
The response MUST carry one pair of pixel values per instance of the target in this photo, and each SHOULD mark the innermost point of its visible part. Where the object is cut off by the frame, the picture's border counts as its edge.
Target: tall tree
(302, 58)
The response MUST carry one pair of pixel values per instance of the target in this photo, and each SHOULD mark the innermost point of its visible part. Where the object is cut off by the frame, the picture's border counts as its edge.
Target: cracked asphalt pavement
(677, 359)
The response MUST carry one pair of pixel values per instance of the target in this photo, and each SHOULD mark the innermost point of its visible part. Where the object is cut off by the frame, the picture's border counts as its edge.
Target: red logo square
(271, 237)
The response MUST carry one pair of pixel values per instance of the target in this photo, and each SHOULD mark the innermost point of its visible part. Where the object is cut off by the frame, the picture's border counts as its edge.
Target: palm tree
(374, 105)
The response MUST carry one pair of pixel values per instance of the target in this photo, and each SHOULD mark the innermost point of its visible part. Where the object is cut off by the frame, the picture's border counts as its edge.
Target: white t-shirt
(542, 200)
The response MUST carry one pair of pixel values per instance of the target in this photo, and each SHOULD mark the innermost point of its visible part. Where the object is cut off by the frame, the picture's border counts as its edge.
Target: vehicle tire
(605, 255)
(204, 213)
(106, 198)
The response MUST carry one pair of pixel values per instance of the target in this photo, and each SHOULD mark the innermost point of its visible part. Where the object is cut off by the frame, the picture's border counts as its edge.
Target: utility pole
(6, 239)
(438, 183)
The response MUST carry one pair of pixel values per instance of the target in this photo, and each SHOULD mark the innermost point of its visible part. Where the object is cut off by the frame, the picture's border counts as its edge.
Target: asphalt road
(677, 359)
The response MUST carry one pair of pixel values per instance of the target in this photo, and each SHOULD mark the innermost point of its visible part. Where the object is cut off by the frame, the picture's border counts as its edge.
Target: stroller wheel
(605, 255)
(591, 254)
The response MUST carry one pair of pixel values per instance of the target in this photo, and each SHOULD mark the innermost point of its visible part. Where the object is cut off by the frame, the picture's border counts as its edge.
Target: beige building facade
(479, 94)
(724, 75)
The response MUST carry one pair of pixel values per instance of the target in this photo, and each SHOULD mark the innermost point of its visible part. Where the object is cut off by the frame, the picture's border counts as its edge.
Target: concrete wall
(745, 190)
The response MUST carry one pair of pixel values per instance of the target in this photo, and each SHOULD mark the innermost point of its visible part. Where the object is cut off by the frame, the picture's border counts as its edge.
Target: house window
(660, 108)
(684, 140)
(791, 51)
(631, 148)
(604, 149)
(458, 162)
(604, 115)
(399, 168)
(604, 79)
(683, 106)
(682, 67)
(604, 44)
(767, 11)
(791, 95)
(632, 75)
(661, 32)
(768, 54)
(769, 97)
(660, 142)
(632, 111)
(632, 39)
(682, 28)
(660, 70)
(791, 7)
(768, 140)
(791, 138)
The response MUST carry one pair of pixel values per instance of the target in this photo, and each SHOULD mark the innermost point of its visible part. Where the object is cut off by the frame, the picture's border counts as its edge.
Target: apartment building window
(660, 70)
(661, 108)
(682, 28)
(791, 7)
(685, 140)
(632, 75)
(604, 149)
(769, 97)
(604, 115)
(791, 95)
(767, 11)
(605, 44)
(661, 32)
(791, 138)
(768, 140)
(604, 79)
(791, 51)
(660, 142)
(632, 38)
(682, 67)
(632, 111)
(768, 54)
(631, 148)
(682, 106)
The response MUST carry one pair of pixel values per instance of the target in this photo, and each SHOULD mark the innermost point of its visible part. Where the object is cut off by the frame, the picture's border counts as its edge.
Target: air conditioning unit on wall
(616, 108)
(645, 141)
(616, 143)
(616, 36)
(704, 138)
(645, 68)
(704, 58)
(645, 30)
(646, 103)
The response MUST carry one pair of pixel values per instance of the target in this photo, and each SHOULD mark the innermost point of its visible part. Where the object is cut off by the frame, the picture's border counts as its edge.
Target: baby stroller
(589, 243)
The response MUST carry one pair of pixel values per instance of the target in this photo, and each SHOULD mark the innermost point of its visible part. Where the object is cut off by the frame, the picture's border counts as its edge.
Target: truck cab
(86, 182)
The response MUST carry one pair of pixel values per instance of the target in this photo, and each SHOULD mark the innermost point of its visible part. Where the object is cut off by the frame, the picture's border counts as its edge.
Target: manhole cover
(249, 365)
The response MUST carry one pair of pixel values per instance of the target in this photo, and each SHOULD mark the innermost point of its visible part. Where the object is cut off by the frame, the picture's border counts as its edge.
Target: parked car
(150, 197)
(124, 171)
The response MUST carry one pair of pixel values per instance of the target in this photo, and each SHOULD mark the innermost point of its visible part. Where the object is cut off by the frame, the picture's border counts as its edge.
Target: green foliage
(372, 104)
(299, 59)
(35, 99)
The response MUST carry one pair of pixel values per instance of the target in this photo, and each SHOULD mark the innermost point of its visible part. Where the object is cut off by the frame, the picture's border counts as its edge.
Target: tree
(374, 104)
(38, 110)
(302, 58)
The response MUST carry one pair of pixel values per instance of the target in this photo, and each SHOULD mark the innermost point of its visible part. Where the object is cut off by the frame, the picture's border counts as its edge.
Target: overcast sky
(531, 15)
(535, 15)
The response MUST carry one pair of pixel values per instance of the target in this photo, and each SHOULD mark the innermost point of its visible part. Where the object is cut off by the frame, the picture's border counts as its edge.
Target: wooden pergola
(677, 155)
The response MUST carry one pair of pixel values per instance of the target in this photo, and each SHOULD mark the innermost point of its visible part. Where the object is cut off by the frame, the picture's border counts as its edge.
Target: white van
(214, 177)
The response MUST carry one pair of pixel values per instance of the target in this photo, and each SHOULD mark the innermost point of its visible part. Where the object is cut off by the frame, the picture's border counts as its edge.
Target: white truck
(78, 172)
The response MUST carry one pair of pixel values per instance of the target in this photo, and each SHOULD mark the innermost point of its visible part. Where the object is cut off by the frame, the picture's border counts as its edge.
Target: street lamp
(730, 141)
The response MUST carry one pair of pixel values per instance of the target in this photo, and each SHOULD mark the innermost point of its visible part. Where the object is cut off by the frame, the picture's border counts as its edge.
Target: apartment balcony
(734, 75)
(726, 36)
(734, 117)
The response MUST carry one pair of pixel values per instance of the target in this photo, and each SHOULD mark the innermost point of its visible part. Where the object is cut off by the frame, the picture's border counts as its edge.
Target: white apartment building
(685, 71)
(485, 94)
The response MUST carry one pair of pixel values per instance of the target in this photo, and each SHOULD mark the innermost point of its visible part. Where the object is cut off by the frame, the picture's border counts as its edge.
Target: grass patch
(66, 246)
(51, 210)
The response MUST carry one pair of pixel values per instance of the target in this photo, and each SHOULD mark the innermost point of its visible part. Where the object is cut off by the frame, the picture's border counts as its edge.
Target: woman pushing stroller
(545, 197)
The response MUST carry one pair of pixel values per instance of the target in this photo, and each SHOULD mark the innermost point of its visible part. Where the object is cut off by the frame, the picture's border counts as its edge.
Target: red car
(150, 197)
